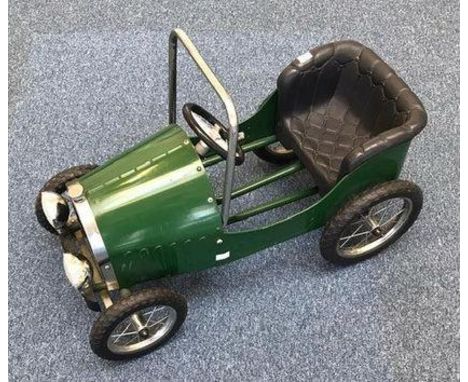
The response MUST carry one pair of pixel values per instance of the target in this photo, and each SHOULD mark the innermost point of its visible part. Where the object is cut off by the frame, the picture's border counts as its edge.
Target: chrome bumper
(88, 223)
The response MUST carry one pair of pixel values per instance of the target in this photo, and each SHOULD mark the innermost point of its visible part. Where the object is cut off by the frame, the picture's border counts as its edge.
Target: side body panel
(381, 168)
(263, 123)
(155, 208)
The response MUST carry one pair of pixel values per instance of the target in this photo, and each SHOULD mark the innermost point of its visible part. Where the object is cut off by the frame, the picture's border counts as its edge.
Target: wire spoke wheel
(138, 323)
(132, 336)
(371, 221)
(374, 229)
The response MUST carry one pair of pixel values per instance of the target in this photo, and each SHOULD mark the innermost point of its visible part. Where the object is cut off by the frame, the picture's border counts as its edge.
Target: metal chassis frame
(270, 178)
(179, 35)
(282, 172)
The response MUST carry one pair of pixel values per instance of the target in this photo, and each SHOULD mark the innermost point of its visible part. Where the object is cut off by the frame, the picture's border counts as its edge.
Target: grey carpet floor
(88, 79)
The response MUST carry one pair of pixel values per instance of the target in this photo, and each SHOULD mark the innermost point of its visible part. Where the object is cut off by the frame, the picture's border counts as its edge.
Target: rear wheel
(276, 153)
(57, 184)
(371, 222)
(138, 324)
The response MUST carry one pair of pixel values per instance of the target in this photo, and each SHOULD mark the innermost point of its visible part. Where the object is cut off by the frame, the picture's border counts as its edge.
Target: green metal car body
(157, 212)
(152, 211)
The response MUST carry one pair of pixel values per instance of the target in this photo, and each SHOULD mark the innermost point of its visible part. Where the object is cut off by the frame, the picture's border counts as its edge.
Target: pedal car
(339, 111)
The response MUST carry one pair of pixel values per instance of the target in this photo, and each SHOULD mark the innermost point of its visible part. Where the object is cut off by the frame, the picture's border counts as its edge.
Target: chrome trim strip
(93, 235)
(179, 35)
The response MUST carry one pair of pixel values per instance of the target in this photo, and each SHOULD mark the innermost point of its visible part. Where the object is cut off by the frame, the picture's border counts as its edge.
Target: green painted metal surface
(155, 209)
(382, 167)
(276, 203)
(263, 123)
(281, 173)
(249, 146)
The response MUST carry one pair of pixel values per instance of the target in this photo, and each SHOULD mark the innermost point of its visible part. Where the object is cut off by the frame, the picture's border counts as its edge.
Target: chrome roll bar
(179, 35)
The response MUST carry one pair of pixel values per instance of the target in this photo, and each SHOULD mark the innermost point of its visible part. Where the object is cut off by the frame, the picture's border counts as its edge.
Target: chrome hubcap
(374, 229)
(142, 329)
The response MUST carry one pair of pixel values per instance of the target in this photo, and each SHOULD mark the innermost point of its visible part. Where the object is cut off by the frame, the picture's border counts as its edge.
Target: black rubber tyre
(58, 184)
(92, 305)
(358, 207)
(125, 307)
(275, 155)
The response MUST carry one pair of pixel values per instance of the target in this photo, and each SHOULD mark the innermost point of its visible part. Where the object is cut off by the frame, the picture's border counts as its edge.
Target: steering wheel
(212, 133)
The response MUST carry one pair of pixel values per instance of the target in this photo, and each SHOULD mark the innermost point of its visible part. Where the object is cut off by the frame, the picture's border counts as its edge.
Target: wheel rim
(373, 230)
(278, 148)
(142, 330)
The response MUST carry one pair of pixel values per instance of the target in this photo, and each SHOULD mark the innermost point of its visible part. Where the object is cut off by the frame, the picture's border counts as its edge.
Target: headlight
(78, 271)
(55, 209)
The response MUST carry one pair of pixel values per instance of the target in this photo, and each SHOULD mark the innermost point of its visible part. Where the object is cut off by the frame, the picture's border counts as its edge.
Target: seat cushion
(322, 141)
(337, 105)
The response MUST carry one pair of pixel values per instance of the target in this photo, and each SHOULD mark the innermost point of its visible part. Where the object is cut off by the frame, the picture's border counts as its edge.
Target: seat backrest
(349, 82)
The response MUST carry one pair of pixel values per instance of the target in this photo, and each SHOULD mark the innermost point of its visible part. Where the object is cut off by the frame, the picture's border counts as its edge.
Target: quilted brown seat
(339, 104)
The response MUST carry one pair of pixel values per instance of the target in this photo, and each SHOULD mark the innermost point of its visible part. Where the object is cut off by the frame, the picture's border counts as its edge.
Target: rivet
(75, 190)
(199, 168)
(186, 142)
(219, 241)
(210, 200)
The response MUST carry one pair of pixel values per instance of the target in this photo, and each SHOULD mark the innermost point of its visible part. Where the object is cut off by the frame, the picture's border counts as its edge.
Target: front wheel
(371, 222)
(138, 324)
(57, 184)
